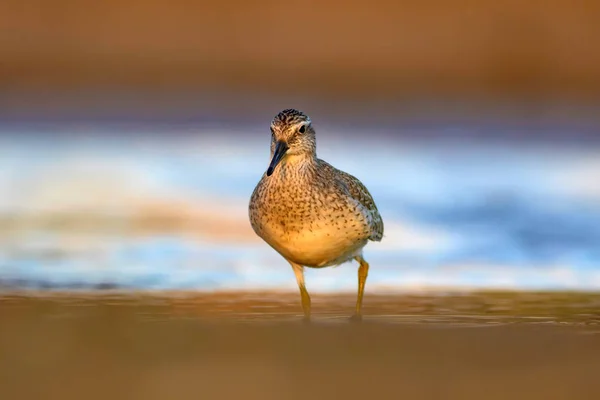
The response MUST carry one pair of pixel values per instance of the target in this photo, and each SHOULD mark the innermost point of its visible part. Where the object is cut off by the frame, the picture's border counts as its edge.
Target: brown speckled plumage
(313, 214)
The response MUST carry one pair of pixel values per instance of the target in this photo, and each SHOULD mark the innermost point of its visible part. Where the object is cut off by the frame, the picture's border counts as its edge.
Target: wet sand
(253, 345)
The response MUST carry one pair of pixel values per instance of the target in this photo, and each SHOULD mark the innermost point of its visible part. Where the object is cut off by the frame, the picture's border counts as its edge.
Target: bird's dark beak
(280, 148)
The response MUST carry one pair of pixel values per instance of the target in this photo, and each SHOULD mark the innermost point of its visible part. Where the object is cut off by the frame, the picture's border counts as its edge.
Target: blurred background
(132, 134)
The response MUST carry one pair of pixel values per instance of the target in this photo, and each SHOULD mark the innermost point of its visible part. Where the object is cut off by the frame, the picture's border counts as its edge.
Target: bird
(313, 214)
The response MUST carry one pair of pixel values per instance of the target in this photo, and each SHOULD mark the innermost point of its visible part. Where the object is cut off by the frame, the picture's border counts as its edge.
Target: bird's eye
(302, 129)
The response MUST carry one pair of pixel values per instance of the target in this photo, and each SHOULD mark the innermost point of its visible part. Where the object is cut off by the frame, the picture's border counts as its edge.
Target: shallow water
(254, 345)
(90, 209)
(450, 309)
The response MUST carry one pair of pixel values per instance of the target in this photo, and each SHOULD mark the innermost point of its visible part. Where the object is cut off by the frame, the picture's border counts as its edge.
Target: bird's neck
(298, 160)
(294, 165)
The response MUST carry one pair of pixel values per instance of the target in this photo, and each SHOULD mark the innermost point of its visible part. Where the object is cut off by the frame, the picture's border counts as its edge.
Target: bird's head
(292, 135)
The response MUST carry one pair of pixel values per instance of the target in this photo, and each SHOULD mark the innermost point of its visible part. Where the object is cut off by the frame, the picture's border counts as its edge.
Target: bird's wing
(360, 193)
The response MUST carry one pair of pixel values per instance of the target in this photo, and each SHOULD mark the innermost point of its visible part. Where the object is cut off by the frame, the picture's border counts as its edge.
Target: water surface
(95, 209)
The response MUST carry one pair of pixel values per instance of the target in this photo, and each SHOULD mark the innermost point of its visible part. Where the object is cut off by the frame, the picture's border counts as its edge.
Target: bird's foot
(356, 318)
(306, 319)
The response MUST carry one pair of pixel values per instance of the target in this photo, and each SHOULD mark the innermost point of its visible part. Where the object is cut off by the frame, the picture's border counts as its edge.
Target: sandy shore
(231, 345)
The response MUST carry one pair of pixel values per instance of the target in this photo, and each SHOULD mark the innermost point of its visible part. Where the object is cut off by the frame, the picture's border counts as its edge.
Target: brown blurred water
(381, 46)
(381, 59)
(140, 346)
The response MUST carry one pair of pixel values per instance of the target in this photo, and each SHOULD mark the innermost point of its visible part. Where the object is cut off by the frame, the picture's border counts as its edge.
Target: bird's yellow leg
(363, 272)
(299, 272)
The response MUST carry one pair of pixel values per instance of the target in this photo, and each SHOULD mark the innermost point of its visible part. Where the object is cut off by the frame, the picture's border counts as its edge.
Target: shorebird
(311, 213)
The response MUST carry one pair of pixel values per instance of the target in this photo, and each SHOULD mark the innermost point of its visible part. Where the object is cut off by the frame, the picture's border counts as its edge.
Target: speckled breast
(307, 225)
